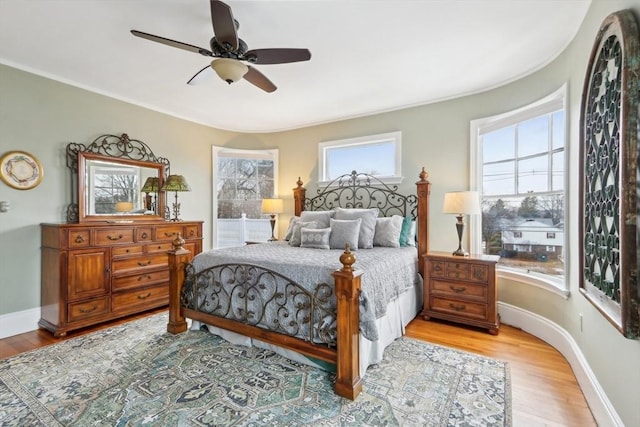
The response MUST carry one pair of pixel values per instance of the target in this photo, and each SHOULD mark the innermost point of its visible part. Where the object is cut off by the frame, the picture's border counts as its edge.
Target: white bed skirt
(391, 326)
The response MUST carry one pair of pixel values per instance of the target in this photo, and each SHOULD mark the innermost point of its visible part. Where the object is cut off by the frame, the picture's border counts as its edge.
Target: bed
(305, 298)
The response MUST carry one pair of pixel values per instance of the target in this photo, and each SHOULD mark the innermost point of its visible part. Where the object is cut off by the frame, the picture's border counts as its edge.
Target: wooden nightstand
(462, 289)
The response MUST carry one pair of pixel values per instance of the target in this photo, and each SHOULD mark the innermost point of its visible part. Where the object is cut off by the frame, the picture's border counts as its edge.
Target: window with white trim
(378, 155)
(242, 178)
(518, 162)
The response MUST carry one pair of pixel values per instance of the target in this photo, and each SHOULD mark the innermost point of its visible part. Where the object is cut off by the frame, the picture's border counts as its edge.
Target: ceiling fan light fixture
(229, 70)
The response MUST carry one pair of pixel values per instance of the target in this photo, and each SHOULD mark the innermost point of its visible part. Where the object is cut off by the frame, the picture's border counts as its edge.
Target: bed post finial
(299, 194)
(347, 258)
(423, 175)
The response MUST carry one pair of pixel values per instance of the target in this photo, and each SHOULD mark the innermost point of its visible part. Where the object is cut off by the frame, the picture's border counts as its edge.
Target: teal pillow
(405, 232)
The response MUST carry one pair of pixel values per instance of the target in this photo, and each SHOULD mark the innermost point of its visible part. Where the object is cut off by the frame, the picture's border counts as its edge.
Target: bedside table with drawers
(462, 289)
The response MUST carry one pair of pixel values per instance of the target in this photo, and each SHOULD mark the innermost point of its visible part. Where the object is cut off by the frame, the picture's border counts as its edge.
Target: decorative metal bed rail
(361, 190)
(260, 297)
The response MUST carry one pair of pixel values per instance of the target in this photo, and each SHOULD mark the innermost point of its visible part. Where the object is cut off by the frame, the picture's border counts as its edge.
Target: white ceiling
(368, 56)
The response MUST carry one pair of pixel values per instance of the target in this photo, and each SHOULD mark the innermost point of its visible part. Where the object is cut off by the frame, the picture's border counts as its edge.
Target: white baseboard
(556, 336)
(19, 322)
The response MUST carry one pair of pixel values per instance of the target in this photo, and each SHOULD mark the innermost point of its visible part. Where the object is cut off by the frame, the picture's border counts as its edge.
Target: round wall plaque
(20, 170)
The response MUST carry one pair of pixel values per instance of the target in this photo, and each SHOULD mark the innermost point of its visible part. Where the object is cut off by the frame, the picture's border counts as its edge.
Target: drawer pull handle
(144, 235)
(169, 234)
(79, 239)
(147, 295)
(118, 237)
(192, 233)
(457, 288)
(458, 307)
(144, 276)
(142, 264)
(88, 310)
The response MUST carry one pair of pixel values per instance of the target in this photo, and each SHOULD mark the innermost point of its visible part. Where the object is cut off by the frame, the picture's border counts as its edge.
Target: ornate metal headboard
(361, 190)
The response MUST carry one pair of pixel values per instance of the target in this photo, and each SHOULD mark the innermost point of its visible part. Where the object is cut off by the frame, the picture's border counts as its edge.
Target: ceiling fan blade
(256, 78)
(277, 56)
(201, 76)
(172, 43)
(224, 26)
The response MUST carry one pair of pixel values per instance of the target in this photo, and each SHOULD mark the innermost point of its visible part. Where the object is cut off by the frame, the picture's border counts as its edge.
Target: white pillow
(367, 227)
(344, 231)
(289, 232)
(321, 217)
(388, 231)
(296, 236)
(316, 238)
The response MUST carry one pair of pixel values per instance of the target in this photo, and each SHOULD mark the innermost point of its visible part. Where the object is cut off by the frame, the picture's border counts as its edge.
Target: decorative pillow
(368, 226)
(388, 231)
(296, 236)
(317, 238)
(321, 217)
(408, 233)
(289, 232)
(345, 231)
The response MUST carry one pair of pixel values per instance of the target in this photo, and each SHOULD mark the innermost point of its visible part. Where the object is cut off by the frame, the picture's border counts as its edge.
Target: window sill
(550, 285)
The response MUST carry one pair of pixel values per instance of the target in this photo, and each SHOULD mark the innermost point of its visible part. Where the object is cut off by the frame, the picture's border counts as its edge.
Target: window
(242, 178)
(378, 155)
(518, 162)
(112, 184)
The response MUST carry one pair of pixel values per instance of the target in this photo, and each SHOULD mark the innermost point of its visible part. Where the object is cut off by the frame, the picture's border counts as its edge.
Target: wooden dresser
(94, 272)
(462, 289)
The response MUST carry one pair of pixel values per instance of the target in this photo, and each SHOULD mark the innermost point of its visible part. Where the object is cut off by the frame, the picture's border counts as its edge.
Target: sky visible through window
(374, 159)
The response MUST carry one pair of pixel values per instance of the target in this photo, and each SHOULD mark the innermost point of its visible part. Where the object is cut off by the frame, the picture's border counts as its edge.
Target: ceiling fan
(230, 51)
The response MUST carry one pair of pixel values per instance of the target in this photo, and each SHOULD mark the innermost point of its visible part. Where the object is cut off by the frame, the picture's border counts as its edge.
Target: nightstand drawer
(479, 273)
(470, 310)
(457, 270)
(459, 289)
(437, 269)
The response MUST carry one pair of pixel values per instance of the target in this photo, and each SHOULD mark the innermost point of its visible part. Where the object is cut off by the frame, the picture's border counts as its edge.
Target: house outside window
(377, 155)
(518, 162)
(242, 178)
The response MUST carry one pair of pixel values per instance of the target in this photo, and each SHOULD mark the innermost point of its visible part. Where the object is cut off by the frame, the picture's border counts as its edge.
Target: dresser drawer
(144, 234)
(191, 231)
(459, 289)
(79, 238)
(140, 279)
(117, 251)
(147, 261)
(132, 300)
(86, 309)
(436, 269)
(467, 309)
(479, 273)
(110, 237)
(159, 247)
(169, 232)
(457, 270)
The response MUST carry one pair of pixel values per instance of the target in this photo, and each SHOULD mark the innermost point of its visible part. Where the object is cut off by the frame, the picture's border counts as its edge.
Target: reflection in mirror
(115, 188)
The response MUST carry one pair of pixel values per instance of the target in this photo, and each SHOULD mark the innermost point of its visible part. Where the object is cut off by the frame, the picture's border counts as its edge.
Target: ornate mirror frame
(116, 150)
(608, 182)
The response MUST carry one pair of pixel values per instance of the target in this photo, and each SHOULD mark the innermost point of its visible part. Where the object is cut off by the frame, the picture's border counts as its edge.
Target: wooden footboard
(345, 355)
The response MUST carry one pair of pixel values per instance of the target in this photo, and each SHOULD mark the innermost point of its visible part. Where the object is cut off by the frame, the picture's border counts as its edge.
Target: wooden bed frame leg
(347, 286)
(178, 259)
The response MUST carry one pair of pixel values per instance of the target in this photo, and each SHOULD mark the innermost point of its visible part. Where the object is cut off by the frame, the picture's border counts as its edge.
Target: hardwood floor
(544, 389)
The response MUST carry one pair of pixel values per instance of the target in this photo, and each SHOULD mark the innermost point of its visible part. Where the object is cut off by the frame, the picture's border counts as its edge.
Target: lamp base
(460, 252)
(272, 220)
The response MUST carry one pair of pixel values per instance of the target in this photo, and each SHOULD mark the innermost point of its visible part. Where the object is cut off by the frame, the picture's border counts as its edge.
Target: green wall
(41, 116)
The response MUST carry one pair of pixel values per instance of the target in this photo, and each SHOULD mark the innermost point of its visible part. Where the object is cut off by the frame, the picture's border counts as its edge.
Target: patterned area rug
(138, 375)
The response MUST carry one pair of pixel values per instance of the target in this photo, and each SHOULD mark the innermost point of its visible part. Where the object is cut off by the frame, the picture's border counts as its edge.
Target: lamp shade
(176, 183)
(229, 70)
(150, 185)
(272, 206)
(462, 202)
(124, 206)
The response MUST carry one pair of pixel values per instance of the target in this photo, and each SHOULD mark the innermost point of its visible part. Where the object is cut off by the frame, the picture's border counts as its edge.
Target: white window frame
(394, 137)
(216, 151)
(550, 103)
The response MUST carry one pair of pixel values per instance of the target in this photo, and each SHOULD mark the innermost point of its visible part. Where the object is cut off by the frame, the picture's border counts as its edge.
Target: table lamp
(461, 203)
(176, 183)
(272, 207)
(150, 186)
